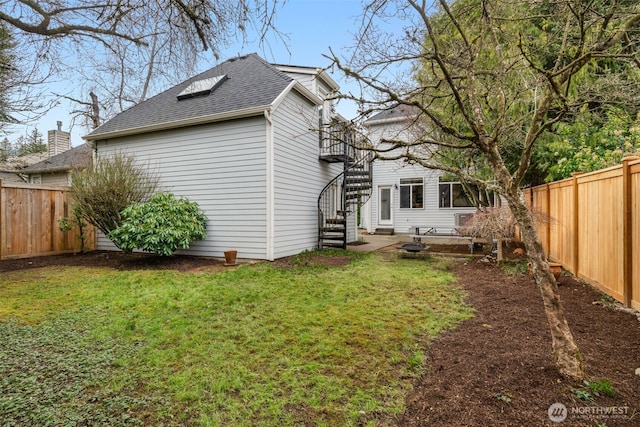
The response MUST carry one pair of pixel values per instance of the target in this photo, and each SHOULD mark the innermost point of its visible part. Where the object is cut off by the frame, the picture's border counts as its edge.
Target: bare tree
(487, 78)
(20, 82)
(123, 50)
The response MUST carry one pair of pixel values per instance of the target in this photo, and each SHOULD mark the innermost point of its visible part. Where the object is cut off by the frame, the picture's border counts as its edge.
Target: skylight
(201, 87)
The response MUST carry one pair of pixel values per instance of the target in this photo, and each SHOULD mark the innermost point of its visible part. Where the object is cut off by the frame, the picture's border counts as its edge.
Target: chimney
(58, 140)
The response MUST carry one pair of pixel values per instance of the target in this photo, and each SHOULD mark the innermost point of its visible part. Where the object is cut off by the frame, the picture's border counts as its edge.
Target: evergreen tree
(33, 143)
(5, 149)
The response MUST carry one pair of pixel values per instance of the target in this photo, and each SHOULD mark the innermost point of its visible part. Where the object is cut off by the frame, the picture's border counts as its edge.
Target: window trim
(451, 184)
(411, 186)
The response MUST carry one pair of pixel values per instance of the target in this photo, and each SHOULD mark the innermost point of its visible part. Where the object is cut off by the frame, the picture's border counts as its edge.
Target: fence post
(548, 218)
(627, 238)
(576, 219)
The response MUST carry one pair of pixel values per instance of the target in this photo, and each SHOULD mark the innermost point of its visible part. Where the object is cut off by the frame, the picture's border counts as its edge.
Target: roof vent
(202, 87)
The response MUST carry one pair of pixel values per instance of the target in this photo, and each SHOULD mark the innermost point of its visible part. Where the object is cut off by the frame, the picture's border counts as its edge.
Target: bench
(450, 233)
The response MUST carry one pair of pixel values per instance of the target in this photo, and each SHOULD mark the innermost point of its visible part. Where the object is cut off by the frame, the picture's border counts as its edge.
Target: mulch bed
(495, 369)
(116, 260)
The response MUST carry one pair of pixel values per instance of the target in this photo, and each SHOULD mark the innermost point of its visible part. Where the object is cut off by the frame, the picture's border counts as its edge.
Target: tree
(490, 77)
(587, 144)
(100, 194)
(33, 143)
(6, 74)
(6, 150)
(124, 50)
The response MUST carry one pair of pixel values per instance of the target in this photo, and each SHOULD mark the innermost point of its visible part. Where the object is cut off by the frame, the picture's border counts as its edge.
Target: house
(57, 170)
(405, 196)
(9, 175)
(254, 144)
(51, 167)
(11, 169)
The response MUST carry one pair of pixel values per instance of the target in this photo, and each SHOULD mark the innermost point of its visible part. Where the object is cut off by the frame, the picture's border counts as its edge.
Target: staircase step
(335, 221)
(335, 229)
(361, 188)
(333, 234)
(332, 239)
(332, 245)
(385, 231)
(359, 175)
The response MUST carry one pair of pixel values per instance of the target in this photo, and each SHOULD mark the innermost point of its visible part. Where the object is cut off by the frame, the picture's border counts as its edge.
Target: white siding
(220, 166)
(316, 85)
(299, 176)
(307, 80)
(389, 173)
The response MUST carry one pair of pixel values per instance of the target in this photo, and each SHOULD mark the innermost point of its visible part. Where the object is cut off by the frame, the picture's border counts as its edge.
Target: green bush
(161, 225)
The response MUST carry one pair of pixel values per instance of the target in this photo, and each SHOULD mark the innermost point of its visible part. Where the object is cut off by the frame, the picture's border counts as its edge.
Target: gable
(250, 87)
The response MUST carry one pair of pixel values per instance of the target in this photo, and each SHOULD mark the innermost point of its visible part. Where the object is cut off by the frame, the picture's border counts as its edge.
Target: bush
(161, 225)
(100, 193)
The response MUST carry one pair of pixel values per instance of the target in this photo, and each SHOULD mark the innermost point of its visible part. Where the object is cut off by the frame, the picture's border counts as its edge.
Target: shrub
(161, 225)
(99, 194)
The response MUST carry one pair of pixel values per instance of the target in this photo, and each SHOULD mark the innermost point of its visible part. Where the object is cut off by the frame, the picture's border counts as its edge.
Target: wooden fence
(29, 215)
(591, 225)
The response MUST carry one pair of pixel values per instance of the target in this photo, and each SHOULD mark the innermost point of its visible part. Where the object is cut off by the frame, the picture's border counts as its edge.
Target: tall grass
(258, 345)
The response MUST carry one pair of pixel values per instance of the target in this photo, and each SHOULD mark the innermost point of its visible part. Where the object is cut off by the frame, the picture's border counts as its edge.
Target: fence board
(561, 221)
(29, 225)
(594, 228)
(600, 231)
(634, 170)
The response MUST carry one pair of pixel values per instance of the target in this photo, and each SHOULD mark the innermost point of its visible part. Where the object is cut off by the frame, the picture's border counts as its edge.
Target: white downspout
(270, 187)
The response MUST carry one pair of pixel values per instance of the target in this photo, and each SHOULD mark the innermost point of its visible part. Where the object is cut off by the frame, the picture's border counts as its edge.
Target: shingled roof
(251, 86)
(76, 158)
(396, 113)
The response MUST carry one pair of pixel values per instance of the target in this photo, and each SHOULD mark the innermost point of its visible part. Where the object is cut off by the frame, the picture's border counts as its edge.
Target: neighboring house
(241, 140)
(11, 169)
(41, 168)
(9, 175)
(406, 196)
(57, 170)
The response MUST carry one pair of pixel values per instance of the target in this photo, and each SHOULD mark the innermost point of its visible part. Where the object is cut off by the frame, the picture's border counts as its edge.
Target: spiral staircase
(348, 191)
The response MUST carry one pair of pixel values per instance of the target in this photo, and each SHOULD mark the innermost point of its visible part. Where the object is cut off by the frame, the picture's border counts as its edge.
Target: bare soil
(495, 369)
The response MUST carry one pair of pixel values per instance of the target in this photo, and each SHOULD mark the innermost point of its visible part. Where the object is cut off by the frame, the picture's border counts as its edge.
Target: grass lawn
(255, 345)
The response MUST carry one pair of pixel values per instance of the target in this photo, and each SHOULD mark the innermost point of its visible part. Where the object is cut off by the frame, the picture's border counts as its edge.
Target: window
(201, 87)
(452, 195)
(36, 179)
(411, 193)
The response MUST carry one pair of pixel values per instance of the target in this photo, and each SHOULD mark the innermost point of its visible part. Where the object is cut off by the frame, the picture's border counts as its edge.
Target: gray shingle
(77, 157)
(397, 112)
(252, 82)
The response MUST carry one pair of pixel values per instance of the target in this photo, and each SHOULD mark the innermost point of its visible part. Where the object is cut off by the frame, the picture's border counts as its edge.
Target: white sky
(312, 26)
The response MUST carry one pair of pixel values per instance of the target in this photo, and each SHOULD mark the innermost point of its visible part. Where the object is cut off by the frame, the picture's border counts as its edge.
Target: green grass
(256, 345)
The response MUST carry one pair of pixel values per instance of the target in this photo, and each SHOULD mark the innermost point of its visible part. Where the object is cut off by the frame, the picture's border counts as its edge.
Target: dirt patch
(495, 369)
(314, 260)
(117, 261)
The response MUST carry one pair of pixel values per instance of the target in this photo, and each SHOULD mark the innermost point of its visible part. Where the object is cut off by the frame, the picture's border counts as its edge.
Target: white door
(385, 206)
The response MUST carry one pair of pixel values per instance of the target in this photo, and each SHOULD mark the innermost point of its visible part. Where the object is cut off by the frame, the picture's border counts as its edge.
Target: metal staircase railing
(342, 196)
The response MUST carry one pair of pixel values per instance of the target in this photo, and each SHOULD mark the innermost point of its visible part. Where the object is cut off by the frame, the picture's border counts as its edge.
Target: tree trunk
(565, 351)
(95, 110)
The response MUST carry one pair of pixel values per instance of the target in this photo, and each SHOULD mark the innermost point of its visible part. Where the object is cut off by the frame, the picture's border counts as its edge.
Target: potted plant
(230, 257)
